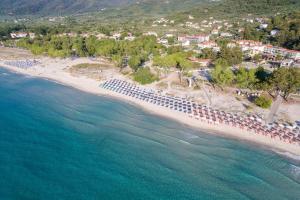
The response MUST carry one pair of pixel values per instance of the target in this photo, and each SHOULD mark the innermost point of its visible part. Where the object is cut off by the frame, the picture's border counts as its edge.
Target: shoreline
(92, 86)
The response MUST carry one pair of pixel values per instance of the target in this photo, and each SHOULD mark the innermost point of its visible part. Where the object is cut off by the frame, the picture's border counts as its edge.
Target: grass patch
(88, 65)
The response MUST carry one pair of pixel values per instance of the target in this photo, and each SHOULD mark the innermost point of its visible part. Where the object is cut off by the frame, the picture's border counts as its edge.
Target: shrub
(263, 102)
(144, 76)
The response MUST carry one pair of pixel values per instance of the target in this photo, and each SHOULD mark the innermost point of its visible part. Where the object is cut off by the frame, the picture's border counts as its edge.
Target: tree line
(282, 81)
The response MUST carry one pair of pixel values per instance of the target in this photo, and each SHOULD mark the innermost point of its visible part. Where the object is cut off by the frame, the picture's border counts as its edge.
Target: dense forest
(239, 8)
(117, 7)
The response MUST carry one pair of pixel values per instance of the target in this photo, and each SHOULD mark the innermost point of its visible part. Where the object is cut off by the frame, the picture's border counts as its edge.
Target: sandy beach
(56, 72)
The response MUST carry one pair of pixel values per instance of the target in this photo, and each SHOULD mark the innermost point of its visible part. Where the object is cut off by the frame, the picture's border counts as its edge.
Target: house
(169, 35)
(71, 34)
(129, 38)
(250, 20)
(225, 34)
(196, 39)
(286, 63)
(163, 41)
(279, 51)
(116, 36)
(251, 46)
(17, 35)
(209, 45)
(260, 20)
(263, 26)
(241, 30)
(52, 19)
(231, 45)
(31, 35)
(161, 20)
(274, 32)
(186, 43)
(151, 33)
(100, 36)
(293, 54)
(215, 32)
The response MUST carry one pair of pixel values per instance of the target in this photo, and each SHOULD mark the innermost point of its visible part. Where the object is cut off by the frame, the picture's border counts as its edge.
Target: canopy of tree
(226, 56)
(138, 50)
(285, 80)
(144, 76)
(263, 102)
(222, 75)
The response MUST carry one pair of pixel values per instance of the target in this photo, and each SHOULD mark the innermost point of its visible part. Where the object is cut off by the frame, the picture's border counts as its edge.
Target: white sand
(55, 71)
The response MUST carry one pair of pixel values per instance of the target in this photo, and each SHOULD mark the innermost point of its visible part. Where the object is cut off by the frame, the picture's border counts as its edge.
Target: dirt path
(274, 109)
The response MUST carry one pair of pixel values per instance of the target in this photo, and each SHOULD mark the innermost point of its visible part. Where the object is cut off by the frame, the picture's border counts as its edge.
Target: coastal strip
(251, 124)
(223, 125)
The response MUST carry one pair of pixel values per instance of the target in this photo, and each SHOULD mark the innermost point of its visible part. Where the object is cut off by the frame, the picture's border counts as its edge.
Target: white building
(286, 53)
(209, 45)
(129, 38)
(263, 26)
(274, 32)
(196, 39)
(215, 32)
(251, 46)
(169, 35)
(149, 33)
(116, 36)
(17, 35)
(31, 35)
(163, 41)
(225, 34)
(286, 63)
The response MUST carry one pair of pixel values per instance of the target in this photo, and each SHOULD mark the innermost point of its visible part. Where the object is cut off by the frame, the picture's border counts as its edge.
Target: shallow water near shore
(60, 143)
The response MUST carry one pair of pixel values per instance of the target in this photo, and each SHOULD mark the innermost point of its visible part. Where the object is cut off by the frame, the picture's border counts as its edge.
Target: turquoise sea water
(60, 143)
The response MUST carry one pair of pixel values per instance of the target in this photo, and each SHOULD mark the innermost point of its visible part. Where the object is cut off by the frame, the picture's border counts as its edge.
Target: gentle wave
(287, 154)
(295, 171)
(57, 142)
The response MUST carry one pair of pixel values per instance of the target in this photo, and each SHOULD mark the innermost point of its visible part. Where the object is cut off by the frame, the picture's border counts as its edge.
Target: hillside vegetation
(54, 7)
(237, 8)
(116, 7)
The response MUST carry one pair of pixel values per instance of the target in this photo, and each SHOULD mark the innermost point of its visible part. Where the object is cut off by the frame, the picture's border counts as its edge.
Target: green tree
(257, 58)
(222, 76)
(91, 45)
(262, 77)
(171, 40)
(183, 65)
(263, 102)
(285, 81)
(144, 76)
(208, 53)
(233, 56)
(245, 78)
(134, 62)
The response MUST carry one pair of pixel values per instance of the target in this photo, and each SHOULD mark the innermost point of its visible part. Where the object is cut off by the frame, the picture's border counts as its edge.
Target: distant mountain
(54, 7)
(238, 8)
(144, 8)
(120, 8)
(65, 7)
